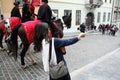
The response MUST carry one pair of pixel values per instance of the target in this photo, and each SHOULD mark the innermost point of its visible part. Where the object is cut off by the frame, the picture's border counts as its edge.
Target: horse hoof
(34, 63)
(2, 49)
(9, 52)
(15, 57)
(24, 66)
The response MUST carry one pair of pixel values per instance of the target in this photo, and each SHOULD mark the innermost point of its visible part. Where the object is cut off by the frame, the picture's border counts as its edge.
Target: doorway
(89, 20)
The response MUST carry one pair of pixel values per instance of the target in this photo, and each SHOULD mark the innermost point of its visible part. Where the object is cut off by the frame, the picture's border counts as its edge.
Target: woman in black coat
(15, 11)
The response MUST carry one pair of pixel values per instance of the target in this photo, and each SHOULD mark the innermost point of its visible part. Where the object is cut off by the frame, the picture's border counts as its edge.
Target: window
(105, 0)
(108, 17)
(98, 17)
(110, 1)
(67, 12)
(104, 16)
(115, 14)
(78, 17)
(21, 2)
(56, 12)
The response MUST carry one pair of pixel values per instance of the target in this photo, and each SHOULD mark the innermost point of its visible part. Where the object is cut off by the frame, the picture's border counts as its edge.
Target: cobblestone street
(81, 54)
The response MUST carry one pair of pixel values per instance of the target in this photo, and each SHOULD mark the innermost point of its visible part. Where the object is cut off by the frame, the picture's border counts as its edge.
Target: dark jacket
(82, 28)
(26, 14)
(58, 43)
(15, 12)
(45, 13)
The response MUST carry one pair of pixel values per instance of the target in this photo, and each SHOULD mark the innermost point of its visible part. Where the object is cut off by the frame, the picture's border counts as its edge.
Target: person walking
(45, 14)
(82, 27)
(42, 40)
(15, 11)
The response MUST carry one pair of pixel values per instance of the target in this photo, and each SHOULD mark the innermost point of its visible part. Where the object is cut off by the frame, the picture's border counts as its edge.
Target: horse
(67, 20)
(6, 27)
(26, 32)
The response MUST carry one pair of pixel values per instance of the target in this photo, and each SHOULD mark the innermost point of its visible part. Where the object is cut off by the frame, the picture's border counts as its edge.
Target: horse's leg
(23, 37)
(31, 57)
(25, 48)
(1, 38)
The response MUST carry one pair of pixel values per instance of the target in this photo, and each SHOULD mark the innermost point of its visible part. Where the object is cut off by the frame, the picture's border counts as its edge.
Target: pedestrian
(26, 14)
(82, 27)
(42, 39)
(45, 14)
(15, 11)
(103, 29)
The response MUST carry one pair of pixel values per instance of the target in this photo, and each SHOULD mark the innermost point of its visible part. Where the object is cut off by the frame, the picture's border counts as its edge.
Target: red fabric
(13, 22)
(36, 2)
(3, 27)
(116, 29)
(29, 29)
(32, 8)
(50, 33)
(25, 1)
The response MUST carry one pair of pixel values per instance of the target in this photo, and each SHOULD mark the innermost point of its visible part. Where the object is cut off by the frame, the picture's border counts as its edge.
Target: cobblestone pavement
(104, 68)
(11, 69)
(80, 54)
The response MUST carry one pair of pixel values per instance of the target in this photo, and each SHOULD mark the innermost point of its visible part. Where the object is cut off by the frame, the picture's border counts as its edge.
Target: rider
(26, 14)
(15, 11)
(45, 14)
(32, 10)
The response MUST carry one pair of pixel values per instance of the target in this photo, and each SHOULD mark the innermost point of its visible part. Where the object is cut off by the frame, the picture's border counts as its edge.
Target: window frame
(78, 17)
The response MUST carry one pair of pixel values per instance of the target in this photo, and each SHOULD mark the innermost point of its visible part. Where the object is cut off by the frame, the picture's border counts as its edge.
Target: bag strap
(50, 49)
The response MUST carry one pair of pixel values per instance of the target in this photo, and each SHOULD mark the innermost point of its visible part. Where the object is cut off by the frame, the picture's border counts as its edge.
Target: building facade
(88, 11)
(116, 13)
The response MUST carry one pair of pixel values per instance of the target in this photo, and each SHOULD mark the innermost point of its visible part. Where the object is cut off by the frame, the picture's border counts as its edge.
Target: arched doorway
(89, 20)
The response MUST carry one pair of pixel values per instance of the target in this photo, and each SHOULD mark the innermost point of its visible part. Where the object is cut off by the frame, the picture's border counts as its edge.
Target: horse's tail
(14, 43)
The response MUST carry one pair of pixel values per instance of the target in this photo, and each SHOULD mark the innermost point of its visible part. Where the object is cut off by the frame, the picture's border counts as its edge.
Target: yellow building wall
(6, 6)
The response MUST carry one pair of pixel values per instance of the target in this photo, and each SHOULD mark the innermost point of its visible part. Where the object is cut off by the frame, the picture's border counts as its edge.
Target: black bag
(59, 70)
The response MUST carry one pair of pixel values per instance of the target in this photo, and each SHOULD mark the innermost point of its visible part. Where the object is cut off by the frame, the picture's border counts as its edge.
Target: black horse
(26, 33)
(67, 20)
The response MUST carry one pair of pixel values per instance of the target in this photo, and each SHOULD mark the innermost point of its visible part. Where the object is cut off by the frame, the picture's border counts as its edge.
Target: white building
(87, 11)
(116, 13)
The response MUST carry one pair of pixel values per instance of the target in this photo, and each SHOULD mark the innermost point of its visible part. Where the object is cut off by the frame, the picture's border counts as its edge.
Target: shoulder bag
(59, 70)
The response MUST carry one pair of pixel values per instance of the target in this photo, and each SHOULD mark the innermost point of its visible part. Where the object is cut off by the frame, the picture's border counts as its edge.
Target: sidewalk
(104, 68)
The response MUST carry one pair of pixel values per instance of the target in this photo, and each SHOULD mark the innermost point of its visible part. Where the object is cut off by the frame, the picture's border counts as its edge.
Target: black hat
(16, 3)
(45, 1)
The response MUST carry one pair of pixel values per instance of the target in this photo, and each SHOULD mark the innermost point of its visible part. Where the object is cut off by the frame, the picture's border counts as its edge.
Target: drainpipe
(112, 11)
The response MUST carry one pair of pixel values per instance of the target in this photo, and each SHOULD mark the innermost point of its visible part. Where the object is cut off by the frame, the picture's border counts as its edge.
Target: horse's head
(7, 25)
(67, 20)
